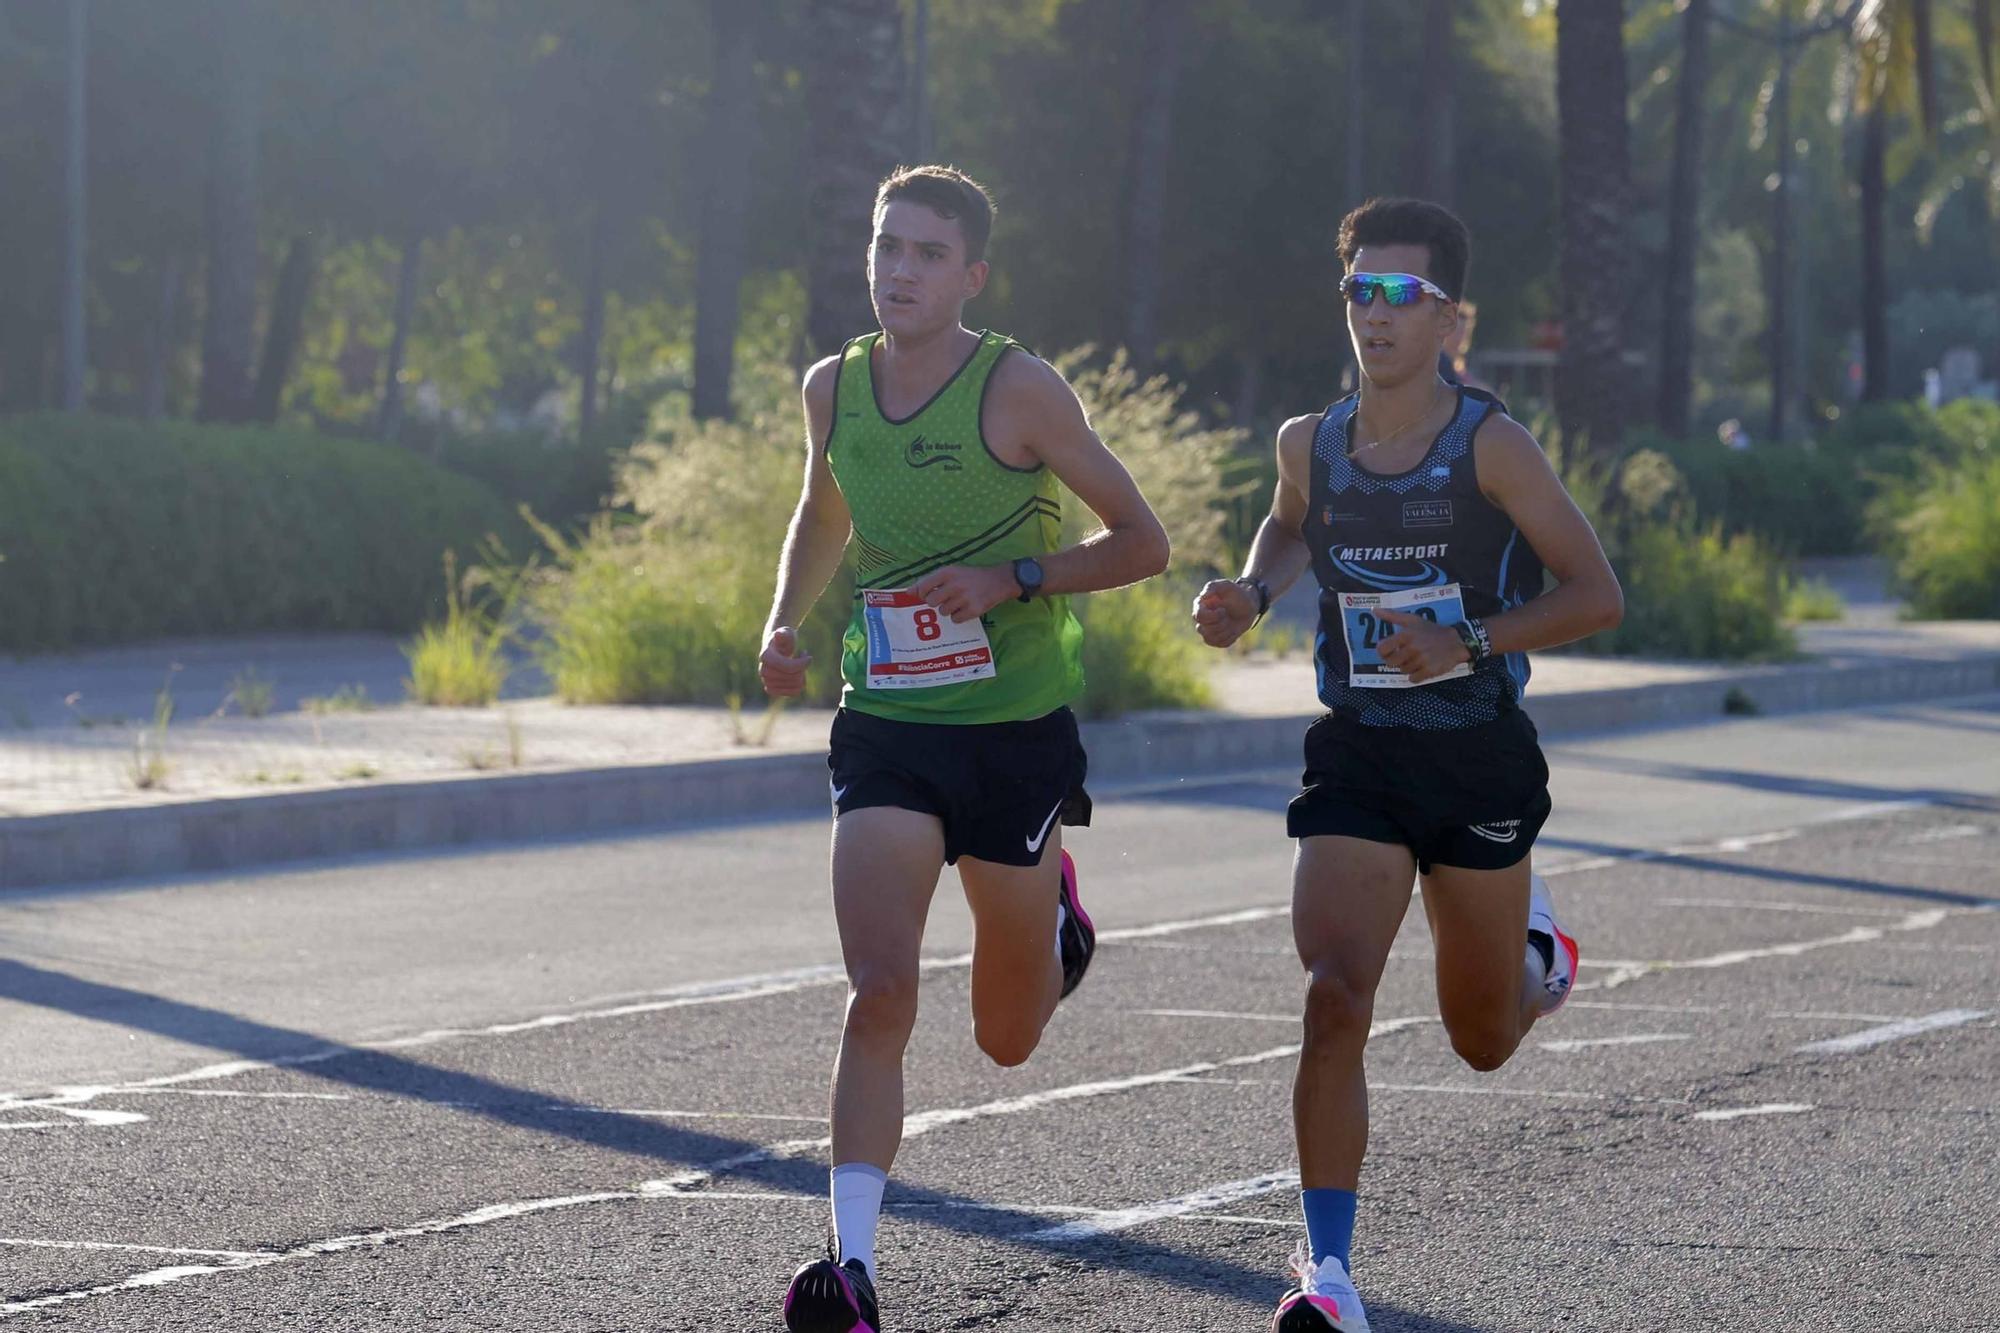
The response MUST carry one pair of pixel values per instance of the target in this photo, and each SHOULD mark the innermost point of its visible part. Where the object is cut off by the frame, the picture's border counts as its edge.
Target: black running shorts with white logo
(1000, 788)
(1474, 798)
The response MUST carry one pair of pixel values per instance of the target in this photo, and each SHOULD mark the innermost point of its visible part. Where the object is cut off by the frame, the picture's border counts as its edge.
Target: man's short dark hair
(949, 193)
(1411, 222)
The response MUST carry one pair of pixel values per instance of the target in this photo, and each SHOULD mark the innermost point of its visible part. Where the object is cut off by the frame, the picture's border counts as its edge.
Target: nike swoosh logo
(1035, 843)
(1491, 836)
(838, 793)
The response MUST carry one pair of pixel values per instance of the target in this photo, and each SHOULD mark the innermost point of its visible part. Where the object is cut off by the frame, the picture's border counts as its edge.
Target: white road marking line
(1218, 1013)
(923, 1122)
(27, 1243)
(1752, 904)
(1945, 833)
(1629, 1039)
(1768, 1108)
(686, 1115)
(1203, 1200)
(230, 1092)
(1624, 1007)
(160, 1277)
(893, 1205)
(1625, 974)
(1909, 1027)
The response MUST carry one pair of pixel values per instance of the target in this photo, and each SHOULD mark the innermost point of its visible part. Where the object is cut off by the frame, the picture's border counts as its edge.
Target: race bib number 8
(914, 646)
(1361, 619)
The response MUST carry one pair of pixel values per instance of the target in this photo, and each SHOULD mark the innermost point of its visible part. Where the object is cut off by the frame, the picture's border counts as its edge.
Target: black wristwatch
(1263, 591)
(1028, 573)
(1478, 644)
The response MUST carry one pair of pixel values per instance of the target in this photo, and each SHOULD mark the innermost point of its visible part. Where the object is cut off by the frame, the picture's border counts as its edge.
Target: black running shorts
(1473, 798)
(999, 787)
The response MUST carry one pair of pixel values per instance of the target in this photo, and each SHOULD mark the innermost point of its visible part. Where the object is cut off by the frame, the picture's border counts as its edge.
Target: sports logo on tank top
(926, 452)
(1392, 568)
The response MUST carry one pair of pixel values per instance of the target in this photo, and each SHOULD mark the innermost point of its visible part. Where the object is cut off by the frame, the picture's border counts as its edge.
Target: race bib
(1361, 620)
(914, 646)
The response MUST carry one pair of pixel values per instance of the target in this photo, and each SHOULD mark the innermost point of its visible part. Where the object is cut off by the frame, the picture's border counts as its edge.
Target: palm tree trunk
(725, 194)
(1356, 32)
(1595, 181)
(389, 423)
(1874, 257)
(593, 323)
(76, 231)
(1438, 109)
(160, 341)
(1683, 225)
(228, 333)
(1152, 143)
(1781, 240)
(856, 70)
(917, 103)
(282, 335)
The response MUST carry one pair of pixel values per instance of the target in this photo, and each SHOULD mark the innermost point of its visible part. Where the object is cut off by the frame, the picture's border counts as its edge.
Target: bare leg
(1349, 897)
(1016, 976)
(885, 869)
(1479, 920)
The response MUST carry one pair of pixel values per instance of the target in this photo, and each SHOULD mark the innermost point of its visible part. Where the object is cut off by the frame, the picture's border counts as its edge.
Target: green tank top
(926, 492)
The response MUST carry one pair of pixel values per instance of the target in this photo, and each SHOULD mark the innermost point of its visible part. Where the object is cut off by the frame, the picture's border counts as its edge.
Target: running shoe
(1557, 949)
(1324, 1301)
(1074, 932)
(826, 1297)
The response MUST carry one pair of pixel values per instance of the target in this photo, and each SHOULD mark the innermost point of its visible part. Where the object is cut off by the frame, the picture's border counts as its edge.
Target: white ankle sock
(857, 1204)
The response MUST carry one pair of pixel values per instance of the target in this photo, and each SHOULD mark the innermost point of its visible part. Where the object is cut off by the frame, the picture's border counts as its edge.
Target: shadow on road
(396, 1075)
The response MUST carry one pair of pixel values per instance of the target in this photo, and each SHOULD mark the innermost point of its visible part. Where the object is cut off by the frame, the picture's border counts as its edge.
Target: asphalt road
(580, 1086)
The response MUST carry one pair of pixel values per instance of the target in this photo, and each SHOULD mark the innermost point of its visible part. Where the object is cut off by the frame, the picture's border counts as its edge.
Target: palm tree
(1438, 109)
(75, 359)
(854, 87)
(1683, 217)
(228, 319)
(1894, 47)
(1152, 145)
(1594, 172)
(725, 193)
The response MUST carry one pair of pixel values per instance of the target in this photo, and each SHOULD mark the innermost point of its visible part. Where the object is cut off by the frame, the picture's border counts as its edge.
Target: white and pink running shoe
(1561, 975)
(1324, 1301)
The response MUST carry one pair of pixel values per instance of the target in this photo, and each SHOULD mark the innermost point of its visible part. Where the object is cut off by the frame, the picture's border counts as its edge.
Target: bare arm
(814, 543)
(1031, 409)
(1515, 475)
(1226, 608)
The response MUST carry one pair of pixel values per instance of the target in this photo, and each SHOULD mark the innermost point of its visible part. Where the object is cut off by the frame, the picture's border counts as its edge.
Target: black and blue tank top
(1425, 542)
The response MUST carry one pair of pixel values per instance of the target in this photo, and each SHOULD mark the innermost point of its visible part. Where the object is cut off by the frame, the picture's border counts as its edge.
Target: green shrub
(1693, 592)
(1139, 652)
(1812, 599)
(668, 604)
(1690, 590)
(116, 530)
(1944, 536)
(1813, 497)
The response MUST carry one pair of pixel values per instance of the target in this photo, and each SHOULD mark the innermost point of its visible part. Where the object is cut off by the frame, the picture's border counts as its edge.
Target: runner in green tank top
(939, 451)
(926, 490)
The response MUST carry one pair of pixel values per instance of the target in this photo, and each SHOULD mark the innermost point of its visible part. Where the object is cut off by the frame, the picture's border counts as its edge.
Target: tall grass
(461, 661)
(664, 601)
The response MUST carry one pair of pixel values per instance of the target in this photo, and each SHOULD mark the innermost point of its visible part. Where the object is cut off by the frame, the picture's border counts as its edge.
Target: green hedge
(115, 530)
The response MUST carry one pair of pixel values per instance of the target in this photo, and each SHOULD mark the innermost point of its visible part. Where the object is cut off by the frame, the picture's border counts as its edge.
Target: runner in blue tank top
(1429, 518)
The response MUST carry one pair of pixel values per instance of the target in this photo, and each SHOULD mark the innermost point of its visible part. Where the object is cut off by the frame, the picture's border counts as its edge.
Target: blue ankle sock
(1329, 1223)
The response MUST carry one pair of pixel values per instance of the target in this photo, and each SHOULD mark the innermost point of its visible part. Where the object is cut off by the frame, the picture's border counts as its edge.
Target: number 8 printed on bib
(913, 646)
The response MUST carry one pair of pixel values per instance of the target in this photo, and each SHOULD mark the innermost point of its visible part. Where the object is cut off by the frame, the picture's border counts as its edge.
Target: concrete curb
(237, 832)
